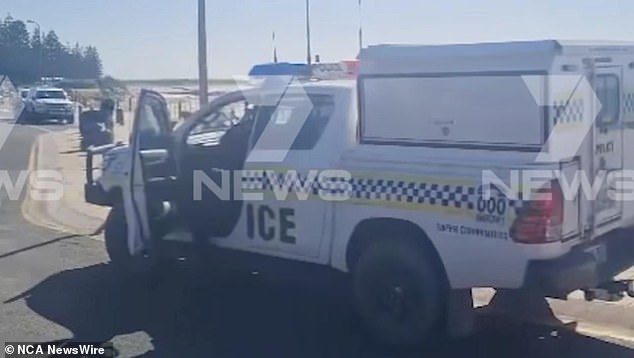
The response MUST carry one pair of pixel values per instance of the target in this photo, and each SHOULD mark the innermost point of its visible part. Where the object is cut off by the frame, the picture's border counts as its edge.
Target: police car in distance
(44, 103)
(404, 176)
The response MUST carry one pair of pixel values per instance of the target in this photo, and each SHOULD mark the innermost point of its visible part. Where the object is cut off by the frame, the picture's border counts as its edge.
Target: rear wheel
(399, 293)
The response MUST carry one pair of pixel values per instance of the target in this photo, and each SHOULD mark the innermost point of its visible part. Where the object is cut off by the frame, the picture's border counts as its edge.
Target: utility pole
(360, 27)
(274, 49)
(309, 59)
(203, 92)
(39, 32)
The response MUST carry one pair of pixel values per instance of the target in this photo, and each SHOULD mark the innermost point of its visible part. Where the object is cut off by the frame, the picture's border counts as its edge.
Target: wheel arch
(373, 229)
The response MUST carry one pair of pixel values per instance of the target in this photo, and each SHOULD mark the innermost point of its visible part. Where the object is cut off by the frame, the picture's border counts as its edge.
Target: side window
(609, 93)
(153, 124)
(285, 118)
(210, 129)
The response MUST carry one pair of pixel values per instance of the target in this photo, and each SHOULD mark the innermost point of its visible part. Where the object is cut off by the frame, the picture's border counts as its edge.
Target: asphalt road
(55, 286)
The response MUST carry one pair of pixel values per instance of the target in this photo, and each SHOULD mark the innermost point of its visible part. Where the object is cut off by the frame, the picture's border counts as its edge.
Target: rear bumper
(585, 267)
(52, 115)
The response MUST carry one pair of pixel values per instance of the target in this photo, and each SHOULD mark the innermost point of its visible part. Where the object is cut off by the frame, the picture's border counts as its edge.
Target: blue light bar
(281, 69)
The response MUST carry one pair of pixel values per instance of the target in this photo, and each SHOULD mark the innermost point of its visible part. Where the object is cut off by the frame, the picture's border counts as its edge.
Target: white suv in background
(44, 103)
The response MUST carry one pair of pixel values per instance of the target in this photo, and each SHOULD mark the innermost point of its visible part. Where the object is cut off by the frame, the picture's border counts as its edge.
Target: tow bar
(611, 291)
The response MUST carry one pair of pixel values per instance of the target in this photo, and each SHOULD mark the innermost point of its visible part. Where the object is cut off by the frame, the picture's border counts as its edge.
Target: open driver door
(149, 166)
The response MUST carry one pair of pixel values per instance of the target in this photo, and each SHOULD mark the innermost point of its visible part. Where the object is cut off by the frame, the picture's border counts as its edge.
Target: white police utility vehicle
(43, 103)
(431, 171)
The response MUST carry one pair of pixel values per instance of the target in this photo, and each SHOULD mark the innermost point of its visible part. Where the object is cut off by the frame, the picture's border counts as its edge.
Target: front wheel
(116, 239)
(29, 115)
(399, 293)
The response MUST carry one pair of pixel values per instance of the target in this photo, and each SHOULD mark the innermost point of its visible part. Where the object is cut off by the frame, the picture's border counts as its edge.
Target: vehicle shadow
(248, 315)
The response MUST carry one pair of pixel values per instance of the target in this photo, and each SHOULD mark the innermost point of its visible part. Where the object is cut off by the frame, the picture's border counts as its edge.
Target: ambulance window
(295, 118)
(608, 91)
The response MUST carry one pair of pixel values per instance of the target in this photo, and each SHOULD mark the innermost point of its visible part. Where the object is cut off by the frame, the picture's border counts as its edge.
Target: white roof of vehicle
(328, 87)
(501, 56)
(351, 83)
(52, 89)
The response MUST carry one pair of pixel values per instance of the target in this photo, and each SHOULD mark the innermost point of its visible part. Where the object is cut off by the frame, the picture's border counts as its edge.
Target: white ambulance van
(436, 170)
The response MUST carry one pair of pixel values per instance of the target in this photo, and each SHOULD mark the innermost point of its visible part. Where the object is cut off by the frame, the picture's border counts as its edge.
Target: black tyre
(29, 116)
(116, 234)
(22, 117)
(399, 293)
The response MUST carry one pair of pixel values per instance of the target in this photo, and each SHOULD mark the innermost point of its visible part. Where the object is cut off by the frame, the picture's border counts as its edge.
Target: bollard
(119, 117)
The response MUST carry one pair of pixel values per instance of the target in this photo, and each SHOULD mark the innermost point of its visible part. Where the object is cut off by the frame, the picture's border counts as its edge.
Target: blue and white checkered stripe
(259, 180)
(376, 189)
(253, 180)
(628, 102)
(628, 109)
(568, 111)
(413, 192)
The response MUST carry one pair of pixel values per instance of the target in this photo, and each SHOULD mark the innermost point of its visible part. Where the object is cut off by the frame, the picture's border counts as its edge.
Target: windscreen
(50, 94)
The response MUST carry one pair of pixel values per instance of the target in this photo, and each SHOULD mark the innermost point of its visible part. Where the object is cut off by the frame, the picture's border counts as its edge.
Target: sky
(147, 39)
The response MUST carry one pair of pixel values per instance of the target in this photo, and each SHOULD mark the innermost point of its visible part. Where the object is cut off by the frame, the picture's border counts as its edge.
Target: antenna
(360, 27)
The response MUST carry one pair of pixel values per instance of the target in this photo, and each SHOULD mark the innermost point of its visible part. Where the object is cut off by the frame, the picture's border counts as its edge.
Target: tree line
(27, 56)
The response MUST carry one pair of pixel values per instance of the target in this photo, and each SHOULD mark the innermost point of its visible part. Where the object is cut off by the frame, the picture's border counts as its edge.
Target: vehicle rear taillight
(540, 220)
